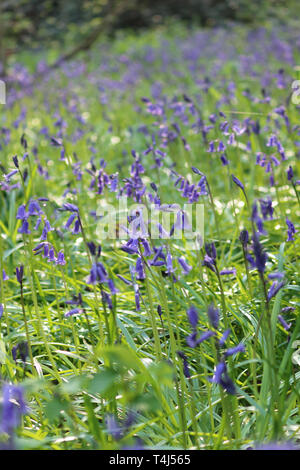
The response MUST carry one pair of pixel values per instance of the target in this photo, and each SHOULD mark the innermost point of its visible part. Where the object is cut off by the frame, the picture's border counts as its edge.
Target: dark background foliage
(73, 26)
(38, 20)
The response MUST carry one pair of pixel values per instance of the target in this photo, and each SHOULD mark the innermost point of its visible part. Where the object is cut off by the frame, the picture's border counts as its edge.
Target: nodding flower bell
(213, 316)
(222, 378)
(192, 314)
(20, 274)
(238, 182)
(290, 231)
(186, 370)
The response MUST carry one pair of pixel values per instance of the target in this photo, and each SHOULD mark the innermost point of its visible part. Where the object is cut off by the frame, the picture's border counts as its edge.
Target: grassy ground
(130, 367)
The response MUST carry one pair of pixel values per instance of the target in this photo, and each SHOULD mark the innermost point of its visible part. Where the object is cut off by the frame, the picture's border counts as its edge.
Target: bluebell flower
(211, 250)
(137, 297)
(112, 287)
(113, 427)
(186, 369)
(126, 281)
(70, 221)
(276, 275)
(211, 147)
(186, 268)
(209, 263)
(74, 311)
(224, 337)
(61, 259)
(225, 272)
(234, 350)
(244, 238)
(77, 227)
(260, 257)
(221, 146)
(13, 407)
(275, 287)
(51, 257)
(33, 208)
(159, 310)
(169, 263)
(288, 309)
(224, 159)
(192, 340)
(192, 314)
(21, 212)
(222, 378)
(16, 162)
(213, 316)
(285, 325)
(266, 208)
(238, 182)
(290, 173)
(20, 349)
(67, 206)
(38, 223)
(46, 251)
(10, 175)
(139, 268)
(20, 274)
(291, 230)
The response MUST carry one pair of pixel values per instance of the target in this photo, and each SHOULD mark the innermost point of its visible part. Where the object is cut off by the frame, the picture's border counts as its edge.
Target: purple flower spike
(196, 171)
(224, 160)
(186, 370)
(222, 378)
(111, 286)
(285, 325)
(77, 227)
(260, 256)
(291, 230)
(70, 221)
(213, 316)
(140, 272)
(126, 281)
(24, 229)
(276, 276)
(16, 162)
(113, 427)
(288, 309)
(13, 407)
(70, 207)
(228, 272)
(235, 350)
(224, 337)
(74, 311)
(51, 257)
(186, 268)
(19, 274)
(21, 213)
(192, 315)
(290, 173)
(275, 287)
(33, 208)
(238, 182)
